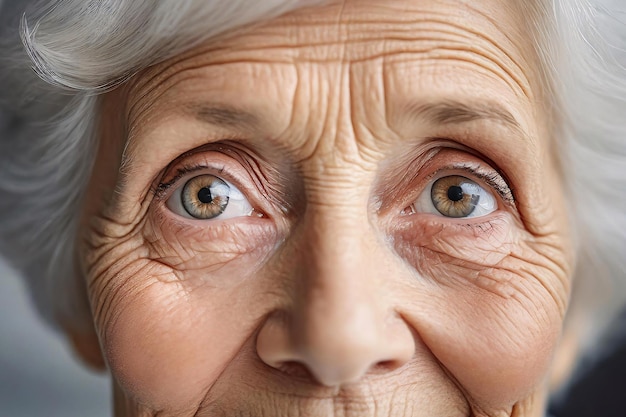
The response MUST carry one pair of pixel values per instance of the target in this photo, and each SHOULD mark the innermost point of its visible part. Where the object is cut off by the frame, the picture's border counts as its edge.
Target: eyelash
(161, 189)
(493, 179)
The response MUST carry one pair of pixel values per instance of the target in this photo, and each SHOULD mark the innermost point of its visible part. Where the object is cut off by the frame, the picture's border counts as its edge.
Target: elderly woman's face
(352, 210)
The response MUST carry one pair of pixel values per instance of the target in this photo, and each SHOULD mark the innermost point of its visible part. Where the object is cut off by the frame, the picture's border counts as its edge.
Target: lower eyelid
(189, 226)
(420, 229)
(248, 237)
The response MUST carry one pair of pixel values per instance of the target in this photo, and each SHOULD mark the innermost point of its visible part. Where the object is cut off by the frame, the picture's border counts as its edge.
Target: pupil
(204, 195)
(455, 193)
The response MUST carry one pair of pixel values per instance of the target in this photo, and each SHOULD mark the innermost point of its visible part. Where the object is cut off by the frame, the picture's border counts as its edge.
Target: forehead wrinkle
(268, 44)
(355, 44)
(349, 29)
(523, 66)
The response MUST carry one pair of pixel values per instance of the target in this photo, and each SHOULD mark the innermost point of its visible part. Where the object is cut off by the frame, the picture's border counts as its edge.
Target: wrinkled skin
(335, 296)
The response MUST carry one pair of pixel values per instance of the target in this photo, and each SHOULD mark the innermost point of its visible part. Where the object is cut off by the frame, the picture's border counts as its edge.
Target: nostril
(386, 366)
(295, 369)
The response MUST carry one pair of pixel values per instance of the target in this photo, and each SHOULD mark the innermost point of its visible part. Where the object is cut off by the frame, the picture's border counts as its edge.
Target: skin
(336, 297)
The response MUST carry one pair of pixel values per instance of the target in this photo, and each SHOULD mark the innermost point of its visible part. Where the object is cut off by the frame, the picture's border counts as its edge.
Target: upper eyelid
(503, 189)
(161, 189)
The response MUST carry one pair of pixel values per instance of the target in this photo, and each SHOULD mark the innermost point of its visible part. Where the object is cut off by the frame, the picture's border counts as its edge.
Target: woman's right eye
(208, 197)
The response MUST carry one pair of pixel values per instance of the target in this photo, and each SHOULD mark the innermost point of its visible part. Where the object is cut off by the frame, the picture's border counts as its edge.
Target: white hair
(591, 92)
(81, 48)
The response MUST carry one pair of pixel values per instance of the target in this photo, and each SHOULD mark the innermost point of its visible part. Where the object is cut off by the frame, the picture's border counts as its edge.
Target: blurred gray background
(38, 375)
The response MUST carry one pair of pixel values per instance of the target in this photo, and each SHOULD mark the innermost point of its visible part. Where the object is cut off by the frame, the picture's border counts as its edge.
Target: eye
(208, 197)
(455, 196)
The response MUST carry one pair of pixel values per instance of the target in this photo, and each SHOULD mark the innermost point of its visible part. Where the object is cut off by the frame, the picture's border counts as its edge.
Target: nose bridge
(337, 319)
(338, 278)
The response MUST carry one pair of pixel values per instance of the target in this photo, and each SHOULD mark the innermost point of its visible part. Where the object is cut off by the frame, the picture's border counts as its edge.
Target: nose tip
(337, 359)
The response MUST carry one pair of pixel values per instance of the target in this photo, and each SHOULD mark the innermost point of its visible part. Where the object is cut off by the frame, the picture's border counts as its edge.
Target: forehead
(359, 26)
(391, 56)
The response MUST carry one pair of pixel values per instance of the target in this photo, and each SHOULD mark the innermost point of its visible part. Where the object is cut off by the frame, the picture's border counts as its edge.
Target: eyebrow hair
(223, 115)
(456, 112)
(442, 112)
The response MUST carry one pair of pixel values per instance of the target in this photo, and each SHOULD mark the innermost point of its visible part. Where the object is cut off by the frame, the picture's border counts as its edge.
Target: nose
(342, 323)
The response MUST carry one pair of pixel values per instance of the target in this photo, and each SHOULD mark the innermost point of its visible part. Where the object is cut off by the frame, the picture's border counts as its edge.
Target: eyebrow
(223, 115)
(442, 112)
(455, 112)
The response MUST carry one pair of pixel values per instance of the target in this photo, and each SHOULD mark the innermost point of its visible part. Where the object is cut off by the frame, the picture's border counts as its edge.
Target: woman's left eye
(455, 196)
(208, 197)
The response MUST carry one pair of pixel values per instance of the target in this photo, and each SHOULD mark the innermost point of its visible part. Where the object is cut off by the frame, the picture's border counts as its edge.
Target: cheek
(497, 351)
(166, 342)
(166, 346)
(491, 305)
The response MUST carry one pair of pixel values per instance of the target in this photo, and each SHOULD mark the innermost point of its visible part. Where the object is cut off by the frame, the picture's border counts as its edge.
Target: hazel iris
(205, 197)
(455, 196)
